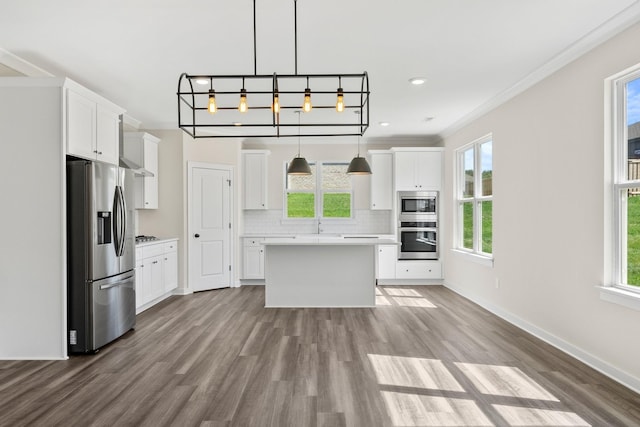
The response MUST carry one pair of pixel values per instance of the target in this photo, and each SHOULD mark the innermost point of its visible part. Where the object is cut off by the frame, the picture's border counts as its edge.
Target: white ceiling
(472, 52)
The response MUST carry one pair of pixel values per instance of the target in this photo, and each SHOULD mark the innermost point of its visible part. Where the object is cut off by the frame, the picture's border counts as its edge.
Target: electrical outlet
(497, 283)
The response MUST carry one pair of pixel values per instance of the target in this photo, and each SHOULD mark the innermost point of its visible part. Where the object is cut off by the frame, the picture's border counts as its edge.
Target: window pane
(302, 182)
(336, 205)
(486, 164)
(301, 205)
(334, 176)
(468, 167)
(467, 225)
(633, 240)
(487, 226)
(633, 129)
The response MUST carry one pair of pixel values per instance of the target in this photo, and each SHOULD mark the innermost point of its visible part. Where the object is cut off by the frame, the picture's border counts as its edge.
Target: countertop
(315, 235)
(157, 241)
(327, 241)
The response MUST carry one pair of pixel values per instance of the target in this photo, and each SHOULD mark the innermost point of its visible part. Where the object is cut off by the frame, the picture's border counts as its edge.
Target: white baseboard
(409, 282)
(33, 358)
(596, 363)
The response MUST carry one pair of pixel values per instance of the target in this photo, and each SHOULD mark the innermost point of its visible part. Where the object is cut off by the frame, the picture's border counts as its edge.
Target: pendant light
(306, 106)
(212, 107)
(242, 107)
(275, 106)
(299, 165)
(359, 165)
(340, 99)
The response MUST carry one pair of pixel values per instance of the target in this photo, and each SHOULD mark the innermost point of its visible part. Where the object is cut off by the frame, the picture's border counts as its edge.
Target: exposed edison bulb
(306, 107)
(275, 107)
(243, 101)
(340, 101)
(212, 102)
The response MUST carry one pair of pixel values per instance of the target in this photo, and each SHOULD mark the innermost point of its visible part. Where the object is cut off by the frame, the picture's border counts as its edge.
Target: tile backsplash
(271, 222)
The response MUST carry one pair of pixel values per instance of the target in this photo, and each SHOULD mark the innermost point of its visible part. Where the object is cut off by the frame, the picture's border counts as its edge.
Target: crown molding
(606, 31)
(20, 65)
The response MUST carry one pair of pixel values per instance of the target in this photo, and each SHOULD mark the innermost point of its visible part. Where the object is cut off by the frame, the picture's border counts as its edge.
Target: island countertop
(327, 241)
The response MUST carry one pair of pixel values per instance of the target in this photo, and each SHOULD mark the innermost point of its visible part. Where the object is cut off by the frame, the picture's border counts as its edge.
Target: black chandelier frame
(196, 122)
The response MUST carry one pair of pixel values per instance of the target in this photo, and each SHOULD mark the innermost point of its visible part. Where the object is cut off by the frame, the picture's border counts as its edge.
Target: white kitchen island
(321, 271)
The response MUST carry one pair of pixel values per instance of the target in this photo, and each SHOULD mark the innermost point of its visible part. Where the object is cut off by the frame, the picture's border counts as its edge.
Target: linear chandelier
(264, 105)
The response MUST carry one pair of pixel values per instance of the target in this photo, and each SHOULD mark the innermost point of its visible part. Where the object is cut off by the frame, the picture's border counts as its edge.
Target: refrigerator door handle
(113, 285)
(116, 222)
(124, 220)
(120, 221)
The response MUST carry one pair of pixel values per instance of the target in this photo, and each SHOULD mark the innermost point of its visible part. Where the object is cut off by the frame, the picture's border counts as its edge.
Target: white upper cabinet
(381, 179)
(140, 150)
(254, 165)
(107, 135)
(418, 170)
(93, 125)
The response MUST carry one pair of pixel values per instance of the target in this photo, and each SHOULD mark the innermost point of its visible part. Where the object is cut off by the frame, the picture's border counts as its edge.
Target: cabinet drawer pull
(155, 262)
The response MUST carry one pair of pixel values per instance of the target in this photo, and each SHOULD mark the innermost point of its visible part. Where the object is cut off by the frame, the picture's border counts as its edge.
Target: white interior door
(209, 227)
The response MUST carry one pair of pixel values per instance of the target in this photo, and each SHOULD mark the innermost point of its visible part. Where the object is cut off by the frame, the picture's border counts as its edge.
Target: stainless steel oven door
(418, 243)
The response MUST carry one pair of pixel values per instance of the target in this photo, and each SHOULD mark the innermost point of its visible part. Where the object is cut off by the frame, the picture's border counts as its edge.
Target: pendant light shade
(359, 166)
(299, 165)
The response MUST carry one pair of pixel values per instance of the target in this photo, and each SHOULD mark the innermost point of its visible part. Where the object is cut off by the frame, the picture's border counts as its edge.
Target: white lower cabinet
(253, 259)
(389, 267)
(156, 272)
(170, 266)
(418, 270)
(387, 258)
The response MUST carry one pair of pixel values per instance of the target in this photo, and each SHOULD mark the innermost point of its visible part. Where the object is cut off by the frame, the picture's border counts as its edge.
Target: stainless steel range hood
(137, 169)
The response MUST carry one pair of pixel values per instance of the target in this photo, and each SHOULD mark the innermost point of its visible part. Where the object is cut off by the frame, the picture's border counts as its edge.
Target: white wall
(32, 225)
(549, 216)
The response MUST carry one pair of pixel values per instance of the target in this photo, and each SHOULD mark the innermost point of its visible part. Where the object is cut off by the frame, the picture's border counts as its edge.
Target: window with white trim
(325, 194)
(474, 197)
(626, 181)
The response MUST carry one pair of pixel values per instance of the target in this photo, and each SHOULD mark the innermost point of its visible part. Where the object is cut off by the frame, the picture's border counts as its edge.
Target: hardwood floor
(424, 357)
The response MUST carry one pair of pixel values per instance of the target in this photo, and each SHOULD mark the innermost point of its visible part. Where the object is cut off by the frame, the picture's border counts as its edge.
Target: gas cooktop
(143, 238)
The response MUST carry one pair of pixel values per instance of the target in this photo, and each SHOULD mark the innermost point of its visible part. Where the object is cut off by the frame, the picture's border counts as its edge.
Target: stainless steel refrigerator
(100, 254)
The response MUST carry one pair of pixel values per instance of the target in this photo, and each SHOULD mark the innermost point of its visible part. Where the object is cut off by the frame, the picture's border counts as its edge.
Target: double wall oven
(418, 225)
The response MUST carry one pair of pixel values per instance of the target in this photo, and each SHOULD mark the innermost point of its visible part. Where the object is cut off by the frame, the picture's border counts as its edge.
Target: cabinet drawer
(253, 241)
(152, 250)
(170, 247)
(418, 270)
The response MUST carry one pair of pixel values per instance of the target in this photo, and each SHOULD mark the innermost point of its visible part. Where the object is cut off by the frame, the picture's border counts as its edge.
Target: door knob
(196, 235)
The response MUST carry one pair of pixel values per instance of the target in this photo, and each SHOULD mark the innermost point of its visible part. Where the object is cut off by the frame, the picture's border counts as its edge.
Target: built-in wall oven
(418, 225)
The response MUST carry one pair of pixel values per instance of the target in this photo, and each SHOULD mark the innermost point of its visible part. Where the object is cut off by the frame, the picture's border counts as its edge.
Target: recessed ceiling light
(202, 81)
(384, 123)
(417, 81)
